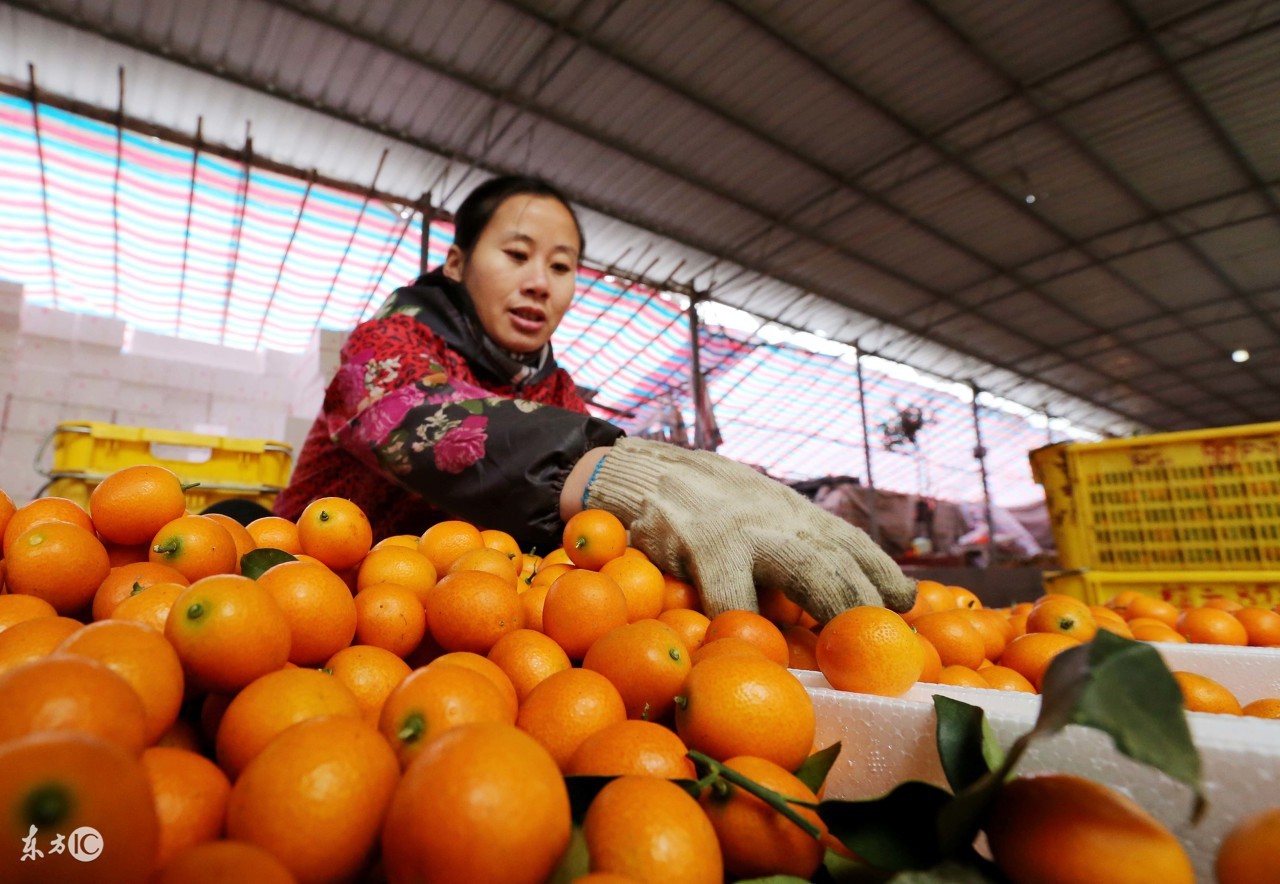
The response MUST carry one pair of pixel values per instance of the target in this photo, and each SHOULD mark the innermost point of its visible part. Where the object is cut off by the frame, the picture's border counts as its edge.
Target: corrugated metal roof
(877, 156)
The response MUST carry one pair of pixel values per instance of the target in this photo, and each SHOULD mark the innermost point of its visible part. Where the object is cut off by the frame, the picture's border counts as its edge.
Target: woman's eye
(516, 255)
(561, 268)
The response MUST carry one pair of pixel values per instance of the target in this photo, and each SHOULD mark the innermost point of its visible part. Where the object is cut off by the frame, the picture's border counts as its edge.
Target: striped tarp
(196, 246)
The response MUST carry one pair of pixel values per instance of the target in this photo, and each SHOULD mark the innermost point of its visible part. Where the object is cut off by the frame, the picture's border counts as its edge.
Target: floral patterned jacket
(426, 419)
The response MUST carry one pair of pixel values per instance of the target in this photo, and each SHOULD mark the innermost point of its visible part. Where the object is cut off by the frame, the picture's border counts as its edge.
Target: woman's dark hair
(477, 209)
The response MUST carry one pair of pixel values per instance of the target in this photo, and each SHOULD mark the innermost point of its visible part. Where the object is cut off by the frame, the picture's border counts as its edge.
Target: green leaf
(1061, 694)
(896, 831)
(575, 863)
(1123, 688)
(774, 879)
(960, 820)
(973, 762)
(813, 773)
(966, 746)
(257, 562)
(472, 406)
(582, 791)
(950, 872)
(839, 869)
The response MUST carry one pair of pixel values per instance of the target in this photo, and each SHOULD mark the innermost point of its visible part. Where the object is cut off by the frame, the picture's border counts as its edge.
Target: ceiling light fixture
(1024, 185)
(1241, 355)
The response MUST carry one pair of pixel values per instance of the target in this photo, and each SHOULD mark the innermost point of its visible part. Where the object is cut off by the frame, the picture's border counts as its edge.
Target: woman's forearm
(576, 483)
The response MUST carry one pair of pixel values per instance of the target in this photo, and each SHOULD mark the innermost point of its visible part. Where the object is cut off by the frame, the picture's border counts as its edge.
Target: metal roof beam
(1226, 143)
(842, 179)
(1135, 250)
(1171, 214)
(1045, 82)
(1125, 343)
(962, 164)
(1172, 70)
(790, 278)
(524, 104)
(1086, 150)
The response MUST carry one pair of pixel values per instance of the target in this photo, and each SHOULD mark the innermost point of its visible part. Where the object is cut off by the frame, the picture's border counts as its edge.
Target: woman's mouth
(529, 320)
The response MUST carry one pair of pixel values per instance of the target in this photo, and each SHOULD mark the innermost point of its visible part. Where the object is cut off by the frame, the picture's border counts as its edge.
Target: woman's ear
(453, 264)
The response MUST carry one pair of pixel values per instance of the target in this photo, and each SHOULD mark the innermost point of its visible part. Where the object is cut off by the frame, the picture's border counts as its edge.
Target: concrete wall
(57, 366)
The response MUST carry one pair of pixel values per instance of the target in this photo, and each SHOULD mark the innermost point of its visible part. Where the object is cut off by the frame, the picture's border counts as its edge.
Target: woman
(449, 403)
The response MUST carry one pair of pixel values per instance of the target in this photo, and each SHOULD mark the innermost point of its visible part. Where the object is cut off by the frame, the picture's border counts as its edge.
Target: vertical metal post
(186, 233)
(115, 201)
(980, 452)
(428, 215)
(44, 183)
(698, 385)
(355, 231)
(866, 450)
(237, 230)
(423, 206)
(299, 214)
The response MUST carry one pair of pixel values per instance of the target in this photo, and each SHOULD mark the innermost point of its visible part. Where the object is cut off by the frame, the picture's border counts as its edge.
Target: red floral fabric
(412, 435)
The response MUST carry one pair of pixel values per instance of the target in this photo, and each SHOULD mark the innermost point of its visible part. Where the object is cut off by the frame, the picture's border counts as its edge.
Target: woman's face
(521, 271)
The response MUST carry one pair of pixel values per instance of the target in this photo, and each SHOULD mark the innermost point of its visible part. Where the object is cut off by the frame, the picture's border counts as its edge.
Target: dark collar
(445, 307)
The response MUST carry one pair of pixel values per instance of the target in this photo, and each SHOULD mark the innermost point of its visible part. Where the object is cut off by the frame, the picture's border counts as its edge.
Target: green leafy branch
(921, 833)
(1112, 684)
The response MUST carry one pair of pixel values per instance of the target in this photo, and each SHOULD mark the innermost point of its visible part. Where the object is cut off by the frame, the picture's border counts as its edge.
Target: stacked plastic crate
(1186, 516)
(217, 468)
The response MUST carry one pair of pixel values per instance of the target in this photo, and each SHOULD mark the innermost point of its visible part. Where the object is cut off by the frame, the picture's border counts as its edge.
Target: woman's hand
(728, 529)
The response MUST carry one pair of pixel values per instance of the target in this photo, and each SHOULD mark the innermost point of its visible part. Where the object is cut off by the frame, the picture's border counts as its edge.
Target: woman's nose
(535, 281)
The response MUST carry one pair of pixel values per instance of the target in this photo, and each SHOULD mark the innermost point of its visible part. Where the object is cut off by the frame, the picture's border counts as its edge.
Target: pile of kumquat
(187, 699)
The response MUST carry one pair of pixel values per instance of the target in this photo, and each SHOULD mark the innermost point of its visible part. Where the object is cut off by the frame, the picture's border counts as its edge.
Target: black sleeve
(496, 462)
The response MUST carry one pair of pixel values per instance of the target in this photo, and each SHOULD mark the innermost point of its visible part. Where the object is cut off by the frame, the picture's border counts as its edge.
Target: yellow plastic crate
(1182, 588)
(86, 453)
(1202, 500)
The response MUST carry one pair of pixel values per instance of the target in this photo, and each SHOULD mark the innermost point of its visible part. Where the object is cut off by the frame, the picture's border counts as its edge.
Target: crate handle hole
(184, 453)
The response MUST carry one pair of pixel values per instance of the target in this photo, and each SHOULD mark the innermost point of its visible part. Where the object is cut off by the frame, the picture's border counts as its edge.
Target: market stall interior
(880, 251)
(998, 283)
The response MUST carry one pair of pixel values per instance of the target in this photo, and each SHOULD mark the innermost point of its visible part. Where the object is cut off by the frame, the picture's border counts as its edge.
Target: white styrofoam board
(94, 359)
(50, 354)
(1249, 673)
(329, 364)
(296, 430)
(25, 415)
(35, 382)
(332, 340)
(18, 476)
(889, 740)
(307, 401)
(10, 298)
(99, 392)
(76, 327)
(247, 362)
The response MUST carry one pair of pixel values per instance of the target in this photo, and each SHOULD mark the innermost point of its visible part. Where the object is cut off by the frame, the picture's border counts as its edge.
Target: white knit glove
(727, 529)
